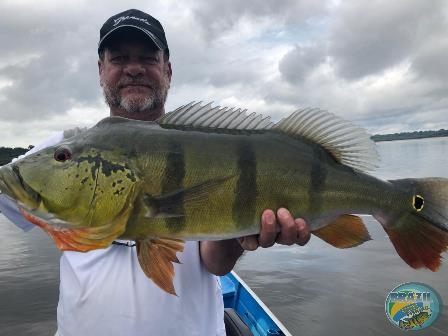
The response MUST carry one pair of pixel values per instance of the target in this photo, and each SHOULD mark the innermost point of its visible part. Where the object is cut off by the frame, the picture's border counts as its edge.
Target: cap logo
(123, 18)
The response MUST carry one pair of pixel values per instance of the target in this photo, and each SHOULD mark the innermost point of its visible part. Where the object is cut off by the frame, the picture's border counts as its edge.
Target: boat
(244, 312)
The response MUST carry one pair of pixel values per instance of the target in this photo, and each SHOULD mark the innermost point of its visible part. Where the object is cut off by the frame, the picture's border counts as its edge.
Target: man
(104, 292)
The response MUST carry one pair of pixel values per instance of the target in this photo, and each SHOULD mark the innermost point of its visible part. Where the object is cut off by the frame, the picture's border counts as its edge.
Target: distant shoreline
(410, 135)
(7, 154)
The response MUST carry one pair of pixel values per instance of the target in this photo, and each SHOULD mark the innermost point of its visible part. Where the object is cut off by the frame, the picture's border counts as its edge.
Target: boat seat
(234, 324)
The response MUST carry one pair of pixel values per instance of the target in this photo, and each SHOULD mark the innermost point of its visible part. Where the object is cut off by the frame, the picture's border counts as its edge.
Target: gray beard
(132, 105)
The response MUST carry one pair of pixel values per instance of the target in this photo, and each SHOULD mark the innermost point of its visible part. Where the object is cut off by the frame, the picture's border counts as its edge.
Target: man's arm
(219, 257)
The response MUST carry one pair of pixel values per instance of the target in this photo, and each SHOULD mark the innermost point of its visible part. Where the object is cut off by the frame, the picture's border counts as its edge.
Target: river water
(314, 290)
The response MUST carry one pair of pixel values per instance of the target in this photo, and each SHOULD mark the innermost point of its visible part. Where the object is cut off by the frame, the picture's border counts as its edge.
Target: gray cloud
(217, 17)
(59, 73)
(381, 64)
(369, 37)
(301, 61)
(431, 60)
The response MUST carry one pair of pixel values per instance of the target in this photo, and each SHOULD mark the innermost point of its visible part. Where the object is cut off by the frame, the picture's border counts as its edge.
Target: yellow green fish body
(205, 173)
(415, 321)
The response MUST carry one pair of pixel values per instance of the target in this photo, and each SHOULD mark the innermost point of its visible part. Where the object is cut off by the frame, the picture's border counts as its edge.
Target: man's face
(134, 77)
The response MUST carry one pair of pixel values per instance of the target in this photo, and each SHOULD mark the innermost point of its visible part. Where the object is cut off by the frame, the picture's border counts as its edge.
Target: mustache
(140, 82)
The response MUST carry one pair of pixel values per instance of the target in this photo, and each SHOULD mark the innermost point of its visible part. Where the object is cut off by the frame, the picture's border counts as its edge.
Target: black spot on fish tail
(318, 176)
(173, 179)
(246, 186)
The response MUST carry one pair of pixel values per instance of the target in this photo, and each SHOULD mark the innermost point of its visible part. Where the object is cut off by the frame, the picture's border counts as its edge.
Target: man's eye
(151, 59)
(117, 59)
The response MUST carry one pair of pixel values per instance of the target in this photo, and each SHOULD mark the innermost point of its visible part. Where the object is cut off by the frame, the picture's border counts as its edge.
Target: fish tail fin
(419, 230)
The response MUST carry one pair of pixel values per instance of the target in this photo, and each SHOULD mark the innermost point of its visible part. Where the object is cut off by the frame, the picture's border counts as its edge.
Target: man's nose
(134, 68)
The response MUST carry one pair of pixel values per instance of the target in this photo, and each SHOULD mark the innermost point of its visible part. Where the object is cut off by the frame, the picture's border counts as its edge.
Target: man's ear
(100, 67)
(169, 70)
(100, 71)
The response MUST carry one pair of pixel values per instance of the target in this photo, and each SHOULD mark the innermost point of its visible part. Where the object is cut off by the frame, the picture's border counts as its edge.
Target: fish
(207, 173)
(414, 321)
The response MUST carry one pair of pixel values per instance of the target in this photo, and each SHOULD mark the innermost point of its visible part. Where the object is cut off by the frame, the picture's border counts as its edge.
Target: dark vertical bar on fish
(318, 177)
(173, 179)
(246, 186)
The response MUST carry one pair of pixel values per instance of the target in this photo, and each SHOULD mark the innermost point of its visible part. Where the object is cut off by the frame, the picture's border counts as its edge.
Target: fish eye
(62, 154)
(418, 202)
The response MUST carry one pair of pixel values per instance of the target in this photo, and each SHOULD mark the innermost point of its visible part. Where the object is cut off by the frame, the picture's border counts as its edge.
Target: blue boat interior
(245, 315)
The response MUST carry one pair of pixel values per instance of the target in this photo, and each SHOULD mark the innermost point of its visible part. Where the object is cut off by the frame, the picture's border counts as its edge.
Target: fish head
(73, 183)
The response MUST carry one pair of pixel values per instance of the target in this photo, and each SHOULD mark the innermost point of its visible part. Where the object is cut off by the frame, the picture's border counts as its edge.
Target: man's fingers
(269, 229)
(288, 233)
(304, 234)
(282, 229)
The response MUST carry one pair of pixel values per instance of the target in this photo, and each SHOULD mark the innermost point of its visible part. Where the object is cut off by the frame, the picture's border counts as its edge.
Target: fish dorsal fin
(347, 143)
(207, 117)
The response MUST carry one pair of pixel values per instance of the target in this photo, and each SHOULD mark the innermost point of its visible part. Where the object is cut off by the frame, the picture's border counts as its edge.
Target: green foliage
(410, 135)
(7, 154)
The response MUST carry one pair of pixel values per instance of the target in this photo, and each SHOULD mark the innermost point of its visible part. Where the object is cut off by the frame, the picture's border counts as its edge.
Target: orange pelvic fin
(418, 242)
(156, 257)
(345, 232)
(81, 239)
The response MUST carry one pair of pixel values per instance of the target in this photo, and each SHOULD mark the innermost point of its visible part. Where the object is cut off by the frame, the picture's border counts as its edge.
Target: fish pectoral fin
(345, 232)
(82, 239)
(173, 204)
(156, 257)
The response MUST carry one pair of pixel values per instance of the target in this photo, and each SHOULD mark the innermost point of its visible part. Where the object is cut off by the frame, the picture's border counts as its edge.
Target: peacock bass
(207, 173)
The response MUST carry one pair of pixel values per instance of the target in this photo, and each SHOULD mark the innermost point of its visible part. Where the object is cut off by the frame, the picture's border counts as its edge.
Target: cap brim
(159, 44)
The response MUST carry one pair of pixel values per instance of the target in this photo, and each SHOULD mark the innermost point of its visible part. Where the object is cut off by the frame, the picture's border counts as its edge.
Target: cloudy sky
(382, 64)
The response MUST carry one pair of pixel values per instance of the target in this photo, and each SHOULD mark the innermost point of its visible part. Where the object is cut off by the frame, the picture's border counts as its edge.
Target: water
(29, 279)
(314, 290)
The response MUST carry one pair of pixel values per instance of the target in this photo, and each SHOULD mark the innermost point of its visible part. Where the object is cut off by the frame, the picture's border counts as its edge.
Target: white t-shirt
(105, 293)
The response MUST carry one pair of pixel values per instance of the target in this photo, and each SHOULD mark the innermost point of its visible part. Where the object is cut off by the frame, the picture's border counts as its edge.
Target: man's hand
(283, 229)
(219, 257)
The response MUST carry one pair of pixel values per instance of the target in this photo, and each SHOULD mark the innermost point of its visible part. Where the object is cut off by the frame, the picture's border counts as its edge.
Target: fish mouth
(28, 201)
(14, 187)
(44, 220)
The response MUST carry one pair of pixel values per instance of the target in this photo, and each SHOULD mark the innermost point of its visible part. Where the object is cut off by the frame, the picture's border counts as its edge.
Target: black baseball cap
(134, 19)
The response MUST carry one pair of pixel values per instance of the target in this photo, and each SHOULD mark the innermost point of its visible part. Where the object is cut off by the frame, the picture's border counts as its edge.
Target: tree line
(7, 154)
(410, 135)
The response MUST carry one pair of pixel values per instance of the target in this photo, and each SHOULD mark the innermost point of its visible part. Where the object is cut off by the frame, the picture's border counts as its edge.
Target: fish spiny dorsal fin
(347, 143)
(208, 117)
